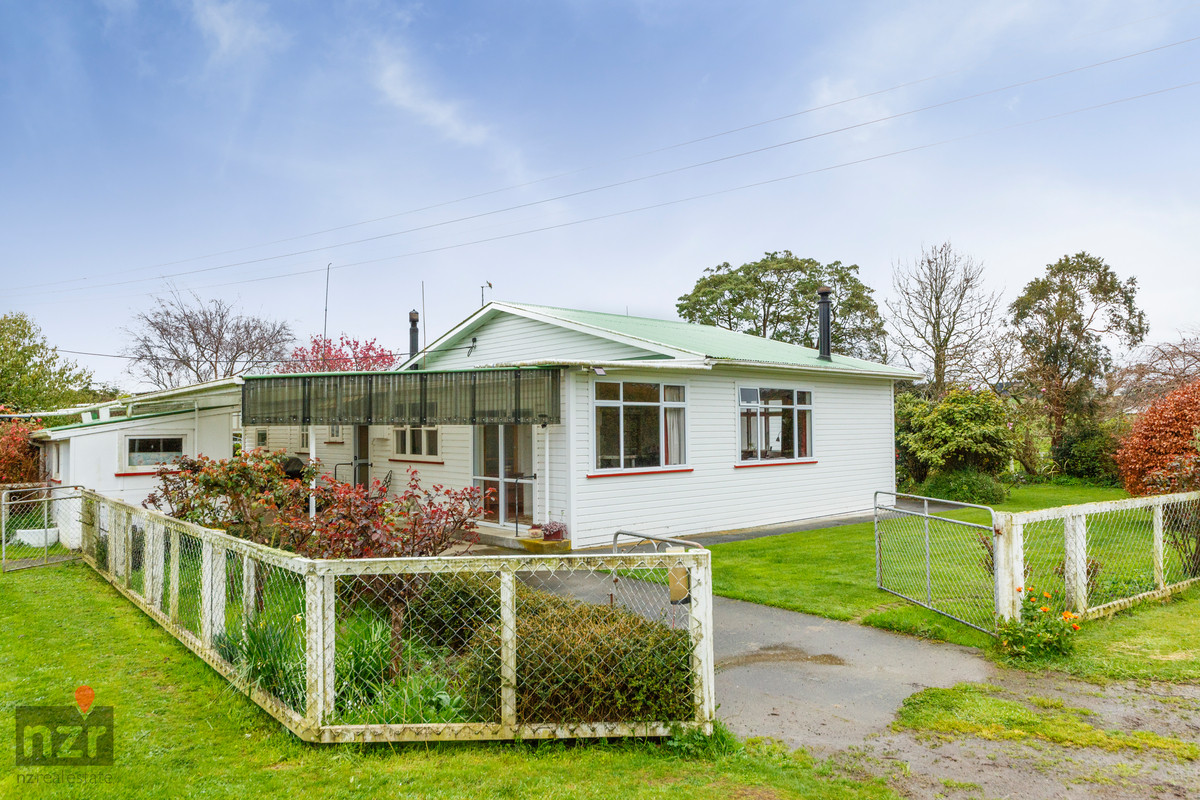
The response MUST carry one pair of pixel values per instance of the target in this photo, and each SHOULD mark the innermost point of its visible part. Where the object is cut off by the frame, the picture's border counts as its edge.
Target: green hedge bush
(578, 662)
(1087, 453)
(964, 486)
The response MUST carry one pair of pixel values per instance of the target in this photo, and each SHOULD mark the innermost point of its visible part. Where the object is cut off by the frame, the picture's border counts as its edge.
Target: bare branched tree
(1157, 370)
(183, 340)
(941, 311)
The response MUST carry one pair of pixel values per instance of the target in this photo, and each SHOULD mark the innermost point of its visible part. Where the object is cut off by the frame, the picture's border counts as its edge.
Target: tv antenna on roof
(486, 285)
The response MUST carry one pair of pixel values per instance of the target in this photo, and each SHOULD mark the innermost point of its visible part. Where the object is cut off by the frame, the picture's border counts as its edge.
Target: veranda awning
(511, 396)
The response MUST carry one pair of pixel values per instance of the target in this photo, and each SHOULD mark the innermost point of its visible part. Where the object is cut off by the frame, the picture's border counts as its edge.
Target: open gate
(938, 554)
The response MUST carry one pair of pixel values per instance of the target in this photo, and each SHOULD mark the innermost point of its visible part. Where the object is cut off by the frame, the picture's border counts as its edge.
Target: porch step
(529, 544)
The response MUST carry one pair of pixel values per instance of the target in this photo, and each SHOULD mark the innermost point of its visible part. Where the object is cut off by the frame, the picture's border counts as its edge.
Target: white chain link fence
(39, 524)
(1097, 558)
(467, 647)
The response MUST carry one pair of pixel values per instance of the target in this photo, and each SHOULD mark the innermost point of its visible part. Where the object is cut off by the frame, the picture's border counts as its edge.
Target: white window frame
(266, 439)
(662, 405)
(305, 441)
(123, 456)
(408, 431)
(334, 434)
(796, 408)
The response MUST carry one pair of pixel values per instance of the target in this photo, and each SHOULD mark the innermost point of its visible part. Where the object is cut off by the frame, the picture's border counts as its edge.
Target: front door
(362, 454)
(504, 465)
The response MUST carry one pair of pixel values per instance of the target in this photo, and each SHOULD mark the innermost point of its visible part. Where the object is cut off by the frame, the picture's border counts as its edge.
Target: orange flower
(1043, 609)
(1046, 595)
(1068, 615)
(1073, 625)
(1019, 589)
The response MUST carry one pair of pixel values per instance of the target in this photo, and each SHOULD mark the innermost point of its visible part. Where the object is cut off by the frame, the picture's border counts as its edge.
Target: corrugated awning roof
(522, 395)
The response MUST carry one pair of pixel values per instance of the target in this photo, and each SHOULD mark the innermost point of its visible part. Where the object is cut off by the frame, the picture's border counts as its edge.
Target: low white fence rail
(1097, 558)
(473, 647)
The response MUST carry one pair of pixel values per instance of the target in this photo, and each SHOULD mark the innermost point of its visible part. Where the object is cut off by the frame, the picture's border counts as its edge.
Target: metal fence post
(1159, 574)
(703, 667)
(212, 591)
(3, 530)
(1075, 562)
(249, 601)
(152, 564)
(319, 655)
(508, 650)
(46, 525)
(928, 571)
(173, 605)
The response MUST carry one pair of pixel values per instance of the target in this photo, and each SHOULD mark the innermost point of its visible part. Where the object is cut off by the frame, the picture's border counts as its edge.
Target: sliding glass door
(504, 465)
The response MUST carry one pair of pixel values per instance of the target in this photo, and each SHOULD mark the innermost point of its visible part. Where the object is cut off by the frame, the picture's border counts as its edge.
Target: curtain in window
(676, 453)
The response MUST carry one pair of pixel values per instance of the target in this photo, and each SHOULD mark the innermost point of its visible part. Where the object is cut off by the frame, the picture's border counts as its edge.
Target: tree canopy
(1065, 321)
(185, 340)
(776, 298)
(343, 355)
(33, 376)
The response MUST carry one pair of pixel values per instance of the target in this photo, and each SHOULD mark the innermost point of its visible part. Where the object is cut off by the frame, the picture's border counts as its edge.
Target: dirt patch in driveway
(999, 763)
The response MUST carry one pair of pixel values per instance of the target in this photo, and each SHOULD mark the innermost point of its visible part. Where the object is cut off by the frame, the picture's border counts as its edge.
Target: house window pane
(608, 391)
(748, 396)
(804, 419)
(776, 397)
(608, 437)
(642, 435)
(641, 393)
(674, 435)
(673, 394)
(150, 452)
(773, 445)
(260, 438)
(804, 398)
(431, 442)
(748, 434)
(401, 435)
(415, 443)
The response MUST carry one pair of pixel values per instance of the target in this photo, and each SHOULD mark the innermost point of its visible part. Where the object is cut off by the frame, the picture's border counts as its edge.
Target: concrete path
(818, 683)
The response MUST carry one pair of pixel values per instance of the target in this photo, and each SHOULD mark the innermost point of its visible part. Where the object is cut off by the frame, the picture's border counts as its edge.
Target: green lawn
(183, 732)
(831, 572)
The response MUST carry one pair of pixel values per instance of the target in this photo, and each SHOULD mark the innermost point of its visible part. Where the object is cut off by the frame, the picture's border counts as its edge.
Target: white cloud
(402, 88)
(236, 29)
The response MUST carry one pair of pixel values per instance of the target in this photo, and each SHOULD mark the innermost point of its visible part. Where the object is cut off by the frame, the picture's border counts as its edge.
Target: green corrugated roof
(712, 342)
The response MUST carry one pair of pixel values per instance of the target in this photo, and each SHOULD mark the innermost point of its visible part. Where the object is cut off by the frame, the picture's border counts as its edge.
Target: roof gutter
(631, 365)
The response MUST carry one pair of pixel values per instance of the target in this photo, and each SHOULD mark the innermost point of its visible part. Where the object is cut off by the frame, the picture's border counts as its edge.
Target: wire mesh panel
(1100, 557)
(39, 524)
(928, 553)
(422, 649)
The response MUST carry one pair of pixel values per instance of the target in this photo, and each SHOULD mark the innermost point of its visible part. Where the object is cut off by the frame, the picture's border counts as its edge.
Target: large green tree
(1065, 321)
(776, 297)
(33, 376)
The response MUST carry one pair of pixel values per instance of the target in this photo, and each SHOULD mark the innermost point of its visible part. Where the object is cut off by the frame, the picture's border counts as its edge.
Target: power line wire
(626, 182)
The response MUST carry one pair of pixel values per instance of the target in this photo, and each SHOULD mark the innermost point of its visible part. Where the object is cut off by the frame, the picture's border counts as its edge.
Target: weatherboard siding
(507, 337)
(852, 444)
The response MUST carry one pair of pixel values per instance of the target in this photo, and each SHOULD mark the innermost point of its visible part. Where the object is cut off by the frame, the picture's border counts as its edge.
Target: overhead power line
(616, 184)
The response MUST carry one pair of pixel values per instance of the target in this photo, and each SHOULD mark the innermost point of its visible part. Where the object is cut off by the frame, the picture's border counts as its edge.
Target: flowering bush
(242, 494)
(964, 430)
(1162, 441)
(19, 462)
(554, 531)
(1039, 631)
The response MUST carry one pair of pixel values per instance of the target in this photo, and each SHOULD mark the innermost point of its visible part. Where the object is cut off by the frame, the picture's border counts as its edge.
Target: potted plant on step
(554, 531)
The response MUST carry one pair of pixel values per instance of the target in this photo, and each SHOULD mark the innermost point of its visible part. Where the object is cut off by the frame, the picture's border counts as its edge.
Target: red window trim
(788, 463)
(135, 474)
(638, 472)
(414, 461)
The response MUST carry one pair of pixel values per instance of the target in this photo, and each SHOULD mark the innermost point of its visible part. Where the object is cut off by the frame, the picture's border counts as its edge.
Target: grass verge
(978, 710)
(181, 731)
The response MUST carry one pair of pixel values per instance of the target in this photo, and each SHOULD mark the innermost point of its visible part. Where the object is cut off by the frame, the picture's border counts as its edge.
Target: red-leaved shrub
(1160, 437)
(19, 462)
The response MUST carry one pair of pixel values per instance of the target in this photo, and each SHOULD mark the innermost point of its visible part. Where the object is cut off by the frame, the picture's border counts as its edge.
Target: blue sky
(150, 144)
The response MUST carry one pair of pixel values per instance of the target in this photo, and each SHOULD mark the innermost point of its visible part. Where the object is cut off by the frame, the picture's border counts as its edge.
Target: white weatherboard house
(603, 422)
(116, 447)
